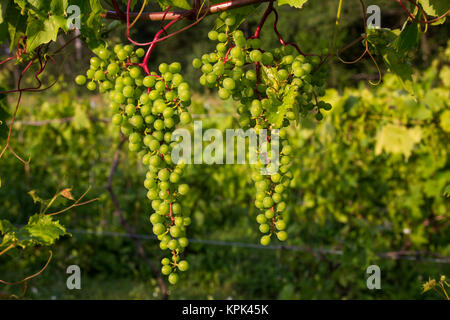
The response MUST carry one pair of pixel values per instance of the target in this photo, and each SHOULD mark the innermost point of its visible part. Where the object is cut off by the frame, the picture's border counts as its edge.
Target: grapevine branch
(183, 14)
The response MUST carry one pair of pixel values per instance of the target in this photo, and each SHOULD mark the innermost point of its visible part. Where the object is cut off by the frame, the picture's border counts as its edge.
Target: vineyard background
(369, 181)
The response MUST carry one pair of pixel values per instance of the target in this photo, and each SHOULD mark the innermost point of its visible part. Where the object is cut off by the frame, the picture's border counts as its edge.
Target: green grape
(80, 80)
(183, 265)
(265, 240)
(173, 278)
(91, 86)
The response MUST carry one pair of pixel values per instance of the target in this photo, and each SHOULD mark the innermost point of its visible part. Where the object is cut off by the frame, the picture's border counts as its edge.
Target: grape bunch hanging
(273, 87)
(147, 108)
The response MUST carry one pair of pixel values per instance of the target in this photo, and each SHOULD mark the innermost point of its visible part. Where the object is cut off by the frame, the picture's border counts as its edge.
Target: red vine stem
(144, 63)
(263, 20)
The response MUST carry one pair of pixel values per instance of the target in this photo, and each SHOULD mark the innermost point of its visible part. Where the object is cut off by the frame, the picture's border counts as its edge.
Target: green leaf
(3, 7)
(39, 32)
(42, 229)
(278, 109)
(435, 8)
(408, 39)
(6, 227)
(58, 7)
(397, 139)
(293, 3)
(444, 120)
(16, 25)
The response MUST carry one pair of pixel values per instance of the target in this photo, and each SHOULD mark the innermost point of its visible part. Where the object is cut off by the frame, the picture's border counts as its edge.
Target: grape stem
(144, 63)
(263, 20)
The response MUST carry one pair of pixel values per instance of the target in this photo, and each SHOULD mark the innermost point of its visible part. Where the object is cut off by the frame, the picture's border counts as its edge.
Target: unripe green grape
(149, 81)
(222, 37)
(80, 80)
(137, 121)
(286, 150)
(256, 56)
(163, 245)
(91, 86)
(168, 76)
(283, 74)
(117, 119)
(221, 48)
(230, 21)
(307, 67)
(175, 67)
(166, 270)
(99, 75)
(282, 235)
(135, 72)
(250, 75)
(211, 78)
(163, 67)
(207, 68)
(158, 229)
(160, 86)
(267, 202)
(229, 84)
(172, 244)
(165, 261)
(281, 206)
(224, 93)
(184, 95)
(176, 208)
(183, 265)
(264, 228)
(122, 55)
(265, 240)
(261, 218)
(183, 189)
(95, 63)
(135, 138)
(175, 231)
(90, 73)
(128, 91)
(212, 35)
(267, 58)
(280, 225)
(130, 110)
(140, 52)
(185, 118)
(269, 213)
(173, 278)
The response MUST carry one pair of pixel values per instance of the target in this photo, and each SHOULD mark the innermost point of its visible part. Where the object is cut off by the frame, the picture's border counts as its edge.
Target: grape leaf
(444, 120)
(397, 139)
(435, 8)
(42, 229)
(3, 7)
(408, 38)
(293, 3)
(277, 112)
(58, 7)
(16, 25)
(39, 32)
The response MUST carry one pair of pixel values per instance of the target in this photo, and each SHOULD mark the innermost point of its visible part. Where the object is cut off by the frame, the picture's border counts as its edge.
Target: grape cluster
(273, 88)
(147, 108)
